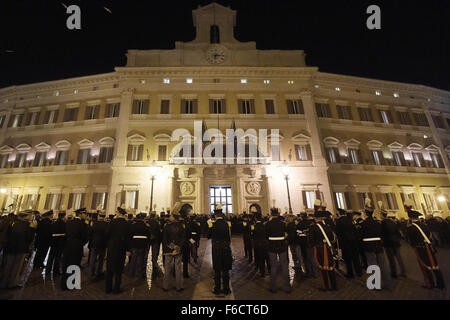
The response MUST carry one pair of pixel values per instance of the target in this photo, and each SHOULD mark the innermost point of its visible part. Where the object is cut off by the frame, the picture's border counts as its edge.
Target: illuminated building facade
(92, 140)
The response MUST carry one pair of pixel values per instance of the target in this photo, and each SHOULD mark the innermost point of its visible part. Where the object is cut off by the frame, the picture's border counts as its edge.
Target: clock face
(216, 55)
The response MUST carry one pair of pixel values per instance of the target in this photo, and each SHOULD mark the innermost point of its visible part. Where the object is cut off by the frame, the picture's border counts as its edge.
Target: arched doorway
(186, 208)
(257, 206)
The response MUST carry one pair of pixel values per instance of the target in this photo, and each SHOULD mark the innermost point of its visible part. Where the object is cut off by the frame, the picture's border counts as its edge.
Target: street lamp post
(153, 172)
(285, 170)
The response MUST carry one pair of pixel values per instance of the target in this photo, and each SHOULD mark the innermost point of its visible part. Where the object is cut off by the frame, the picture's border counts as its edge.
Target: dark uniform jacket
(98, 234)
(155, 230)
(415, 237)
(58, 233)
(139, 230)
(196, 229)
(317, 237)
(292, 233)
(76, 237)
(118, 243)
(44, 232)
(348, 234)
(4, 230)
(219, 233)
(174, 235)
(390, 233)
(276, 228)
(20, 237)
(371, 228)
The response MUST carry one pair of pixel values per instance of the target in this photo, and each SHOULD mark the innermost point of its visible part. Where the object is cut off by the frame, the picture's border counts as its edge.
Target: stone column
(121, 146)
(313, 128)
(436, 137)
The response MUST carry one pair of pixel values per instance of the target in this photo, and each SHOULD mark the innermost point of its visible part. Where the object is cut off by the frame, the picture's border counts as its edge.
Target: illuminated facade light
(166, 80)
(378, 93)
(266, 81)
(188, 80)
(338, 89)
(56, 93)
(142, 81)
(243, 80)
(316, 86)
(290, 81)
(396, 95)
(75, 91)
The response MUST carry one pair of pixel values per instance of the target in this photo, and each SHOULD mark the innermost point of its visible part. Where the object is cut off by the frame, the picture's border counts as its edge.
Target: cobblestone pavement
(245, 283)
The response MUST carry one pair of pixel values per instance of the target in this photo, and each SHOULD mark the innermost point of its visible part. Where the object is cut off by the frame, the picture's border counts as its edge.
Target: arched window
(214, 34)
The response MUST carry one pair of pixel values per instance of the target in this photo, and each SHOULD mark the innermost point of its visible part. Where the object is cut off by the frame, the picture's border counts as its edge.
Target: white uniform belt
(277, 238)
(371, 239)
(194, 232)
(58, 234)
(139, 237)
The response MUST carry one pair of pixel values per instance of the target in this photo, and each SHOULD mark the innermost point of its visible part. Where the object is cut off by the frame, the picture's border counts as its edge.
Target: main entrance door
(220, 194)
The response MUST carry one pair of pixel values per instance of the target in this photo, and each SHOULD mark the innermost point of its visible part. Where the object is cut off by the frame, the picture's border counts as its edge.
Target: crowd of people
(319, 244)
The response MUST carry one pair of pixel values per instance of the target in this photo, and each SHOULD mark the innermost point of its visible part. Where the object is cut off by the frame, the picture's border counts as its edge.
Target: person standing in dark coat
(43, 239)
(349, 242)
(76, 237)
(186, 247)
(195, 227)
(222, 259)
(261, 244)
(20, 238)
(174, 236)
(323, 239)
(155, 243)
(390, 234)
(118, 236)
(97, 252)
(140, 239)
(4, 230)
(371, 234)
(419, 237)
(278, 250)
(246, 230)
(57, 244)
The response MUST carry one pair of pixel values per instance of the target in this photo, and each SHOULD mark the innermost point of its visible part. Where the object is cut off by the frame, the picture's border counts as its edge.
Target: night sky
(413, 45)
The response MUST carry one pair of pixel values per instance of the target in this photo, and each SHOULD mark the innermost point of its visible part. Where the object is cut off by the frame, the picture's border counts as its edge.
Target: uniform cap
(48, 213)
(253, 210)
(274, 211)
(324, 204)
(317, 203)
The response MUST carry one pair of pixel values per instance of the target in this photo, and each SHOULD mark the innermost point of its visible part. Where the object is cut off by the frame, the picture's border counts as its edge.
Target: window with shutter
(354, 156)
(385, 116)
(365, 114)
(162, 153)
(344, 112)
(399, 158)
(165, 104)
(418, 159)
(421, 119)
(270, 107)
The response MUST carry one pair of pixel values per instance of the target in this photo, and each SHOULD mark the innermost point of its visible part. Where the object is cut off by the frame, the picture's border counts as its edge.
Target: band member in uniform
(349, 242)
(155, 242)
(20, 237)
(118, 242)
(246, 230)
(261, 244)
(222, 259)
(278, 254)
(306, 246)
(390, 234)
(196, 230)
(76, 237)
(291, 225)
(57, 244)
(140, 239)
(43, 237)
(174, 237)
(419, 237)
(323, 238)
(372, 245)
(98, 246)
(186, 247)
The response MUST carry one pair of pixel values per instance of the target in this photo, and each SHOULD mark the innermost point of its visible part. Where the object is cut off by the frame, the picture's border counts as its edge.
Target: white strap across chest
(324, 235)
(425, 238)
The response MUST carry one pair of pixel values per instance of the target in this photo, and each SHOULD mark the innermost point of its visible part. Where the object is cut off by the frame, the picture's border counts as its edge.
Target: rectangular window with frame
(62, 157)
(399, 158)
(333, 154)
(2, 120)
(162, 153)
(342, 200)
(189, 106)
(385, 116)
(53, 201)
(389, 200)
(308, 198)
(362, 198)
(15, 120)
(112, 110)
(344, 112)
(295, 106)
(39, 159)
(303, 152)
(354, 155)
(84, 156)
(438, 121)
(270, 106)
(418, 159)
(411, 196)
(132, 198)
(436, 159)
(246, 106)
(76, 201)
(51, 116)
(135, 152)
(70, 114)
(165, 106)
(20, 160)
(91, 112)
(421, 119)
(4, 160)
(106, 154)
(217, 106)
(404, 117)
(99, 198)
(365, 114)
(32, 118)
(377, 157)
(140, 106)
(323, 110)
